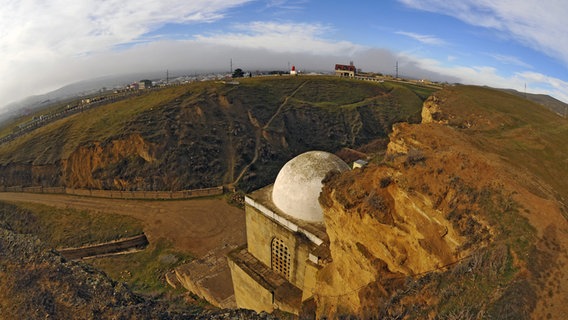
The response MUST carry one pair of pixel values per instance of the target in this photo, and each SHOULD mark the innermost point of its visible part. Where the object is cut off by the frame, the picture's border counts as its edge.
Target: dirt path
(284, 103)
(194, 226)
(259, 131)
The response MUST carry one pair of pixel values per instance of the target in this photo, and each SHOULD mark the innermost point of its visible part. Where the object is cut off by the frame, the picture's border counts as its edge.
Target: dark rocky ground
(38, 283)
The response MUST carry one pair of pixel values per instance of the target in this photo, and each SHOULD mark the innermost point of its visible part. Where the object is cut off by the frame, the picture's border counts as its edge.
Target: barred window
(280, 257)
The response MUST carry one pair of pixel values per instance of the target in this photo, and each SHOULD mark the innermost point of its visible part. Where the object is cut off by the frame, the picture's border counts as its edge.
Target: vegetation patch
(62, 228)
(144, 271)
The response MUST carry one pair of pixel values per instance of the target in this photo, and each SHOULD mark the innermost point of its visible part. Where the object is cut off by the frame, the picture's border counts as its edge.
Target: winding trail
(259, 131)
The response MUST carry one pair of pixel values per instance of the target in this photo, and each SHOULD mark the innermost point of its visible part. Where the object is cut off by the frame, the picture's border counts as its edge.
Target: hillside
(551, 103)
(464, 219)
(207, 134)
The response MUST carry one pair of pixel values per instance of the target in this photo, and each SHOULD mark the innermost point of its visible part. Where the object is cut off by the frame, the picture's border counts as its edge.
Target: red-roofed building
(344, 70)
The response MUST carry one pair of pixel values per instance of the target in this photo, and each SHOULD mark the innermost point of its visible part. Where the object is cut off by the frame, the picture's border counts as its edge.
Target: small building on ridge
(344, 70)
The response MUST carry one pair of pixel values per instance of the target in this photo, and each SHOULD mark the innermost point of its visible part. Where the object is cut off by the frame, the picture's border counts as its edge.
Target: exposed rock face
(83, 167)
(431, 112)
(407, 236)
(384, 223)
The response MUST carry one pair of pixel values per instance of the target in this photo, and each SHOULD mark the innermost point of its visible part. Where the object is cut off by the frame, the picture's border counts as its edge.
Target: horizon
(505, 45)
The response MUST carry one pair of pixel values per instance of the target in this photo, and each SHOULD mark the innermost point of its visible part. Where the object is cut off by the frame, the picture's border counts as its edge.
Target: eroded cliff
(205, 134)
(443, 227)
(82, 168)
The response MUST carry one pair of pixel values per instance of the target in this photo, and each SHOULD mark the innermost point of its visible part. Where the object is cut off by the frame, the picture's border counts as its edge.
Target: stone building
(286, 239)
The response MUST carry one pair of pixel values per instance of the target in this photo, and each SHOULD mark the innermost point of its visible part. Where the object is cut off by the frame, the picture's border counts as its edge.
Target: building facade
(144, 84)
(344, 70)
(286, 239)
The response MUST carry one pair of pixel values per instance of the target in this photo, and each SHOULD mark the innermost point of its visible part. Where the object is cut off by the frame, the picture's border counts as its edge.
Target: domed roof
(298, 184)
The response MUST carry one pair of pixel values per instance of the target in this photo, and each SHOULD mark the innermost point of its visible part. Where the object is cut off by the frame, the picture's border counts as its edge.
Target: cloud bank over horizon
(46, 45)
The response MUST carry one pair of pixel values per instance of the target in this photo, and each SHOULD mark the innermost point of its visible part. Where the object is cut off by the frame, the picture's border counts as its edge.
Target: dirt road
(194, 226)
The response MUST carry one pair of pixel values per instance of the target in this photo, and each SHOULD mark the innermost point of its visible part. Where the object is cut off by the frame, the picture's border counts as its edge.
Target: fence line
(117, 194)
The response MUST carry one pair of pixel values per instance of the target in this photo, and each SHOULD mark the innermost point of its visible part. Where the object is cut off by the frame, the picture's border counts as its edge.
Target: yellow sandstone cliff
(414, 231)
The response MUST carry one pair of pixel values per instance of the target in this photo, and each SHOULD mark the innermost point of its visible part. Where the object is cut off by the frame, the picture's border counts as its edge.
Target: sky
(46, 44)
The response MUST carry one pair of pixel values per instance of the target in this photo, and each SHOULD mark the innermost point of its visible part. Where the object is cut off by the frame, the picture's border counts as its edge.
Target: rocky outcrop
(85, 166)
(384, 226)
(431, 112)
(408, 236)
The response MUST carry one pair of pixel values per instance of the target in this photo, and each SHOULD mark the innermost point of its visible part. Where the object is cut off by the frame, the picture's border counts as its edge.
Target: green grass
(525, 134)
(61, 228)
(334, 92)
(11, 125)
(144, 271)
(57, 140)
(60, 138)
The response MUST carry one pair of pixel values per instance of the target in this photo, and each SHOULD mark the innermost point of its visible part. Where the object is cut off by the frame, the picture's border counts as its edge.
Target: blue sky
(45, 44)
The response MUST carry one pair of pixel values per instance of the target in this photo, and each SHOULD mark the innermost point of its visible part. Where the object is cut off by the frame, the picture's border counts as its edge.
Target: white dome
(298, 184)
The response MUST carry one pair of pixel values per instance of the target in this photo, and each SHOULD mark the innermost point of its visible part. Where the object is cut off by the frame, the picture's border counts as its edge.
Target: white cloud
(537, 24)
(36, 35)
(489, 76)
(423, 38)
(47, 44)
(282, 37)
(511, 60)
(286, 4)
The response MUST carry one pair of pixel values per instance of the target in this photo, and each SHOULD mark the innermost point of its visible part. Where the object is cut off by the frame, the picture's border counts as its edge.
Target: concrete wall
(345, 73)
(261, 231)
(309, 280)
(116, 194)
(249, 293)
(101, 249)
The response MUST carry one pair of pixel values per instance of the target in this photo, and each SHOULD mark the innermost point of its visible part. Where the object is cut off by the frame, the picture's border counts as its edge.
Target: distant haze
(45, 45)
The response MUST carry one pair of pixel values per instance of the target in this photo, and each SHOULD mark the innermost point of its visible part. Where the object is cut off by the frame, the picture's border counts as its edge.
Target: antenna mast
(396, 68)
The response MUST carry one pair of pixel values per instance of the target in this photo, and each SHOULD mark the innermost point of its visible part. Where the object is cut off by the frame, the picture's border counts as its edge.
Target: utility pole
(167, 76)
(396, 68)
(231, 70)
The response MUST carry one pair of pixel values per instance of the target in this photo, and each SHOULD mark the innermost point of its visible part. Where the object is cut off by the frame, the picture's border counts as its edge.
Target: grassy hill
(551, 103)
(526, 134)
(207, 134)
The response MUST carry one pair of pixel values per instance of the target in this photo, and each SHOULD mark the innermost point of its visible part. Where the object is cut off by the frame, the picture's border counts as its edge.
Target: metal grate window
(280, 257)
